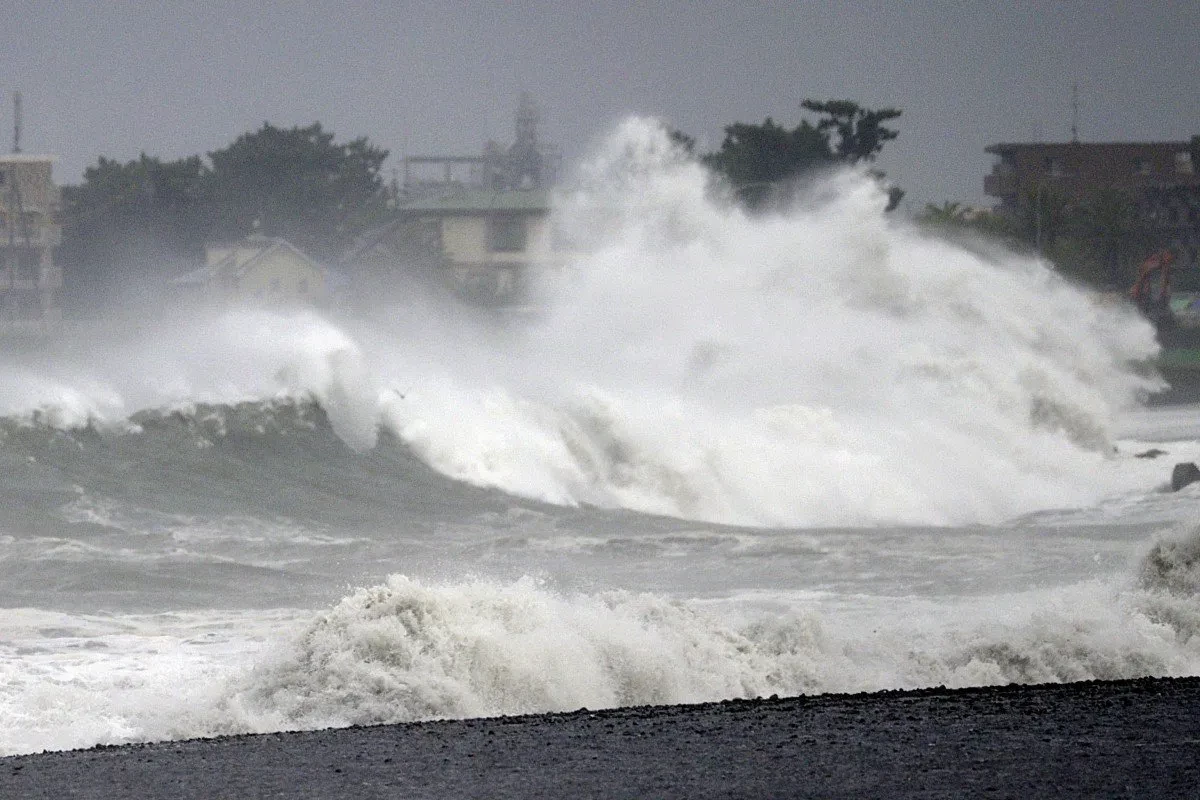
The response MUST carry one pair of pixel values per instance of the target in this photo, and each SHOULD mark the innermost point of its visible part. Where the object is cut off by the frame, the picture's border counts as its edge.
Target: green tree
(1110, 225)
(1044, 213)
(756, 159)
(296, 183)
(126, 219)
(759, 161)
(1096, 238)
(149, 217)
(946, 215)
(861, 132)
(681, 140)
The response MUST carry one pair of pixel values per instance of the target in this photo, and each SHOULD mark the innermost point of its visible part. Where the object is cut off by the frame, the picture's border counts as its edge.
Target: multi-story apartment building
(29, 279)
(1162, 178)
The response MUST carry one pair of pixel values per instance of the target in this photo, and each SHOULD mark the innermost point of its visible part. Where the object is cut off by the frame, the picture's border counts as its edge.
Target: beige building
(259, 270)
(484, 244)
(29, 280)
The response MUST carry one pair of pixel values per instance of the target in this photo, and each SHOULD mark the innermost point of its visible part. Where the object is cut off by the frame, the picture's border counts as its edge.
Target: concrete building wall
(282, 277)
(467, 239)
(464, 239)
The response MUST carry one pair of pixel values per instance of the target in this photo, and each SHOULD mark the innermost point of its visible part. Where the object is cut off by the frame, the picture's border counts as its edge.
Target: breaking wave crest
(407, 650)
(819, 365)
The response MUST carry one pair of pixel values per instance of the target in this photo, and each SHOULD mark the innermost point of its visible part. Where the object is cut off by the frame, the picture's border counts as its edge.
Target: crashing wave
(407, 650)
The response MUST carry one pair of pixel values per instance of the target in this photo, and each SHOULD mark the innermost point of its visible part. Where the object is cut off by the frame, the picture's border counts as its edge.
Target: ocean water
(718, 456)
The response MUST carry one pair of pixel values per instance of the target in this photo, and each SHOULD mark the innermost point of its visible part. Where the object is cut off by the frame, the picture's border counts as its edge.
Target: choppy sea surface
(721, 456)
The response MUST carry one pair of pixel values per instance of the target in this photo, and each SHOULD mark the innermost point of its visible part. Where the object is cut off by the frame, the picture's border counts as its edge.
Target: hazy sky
(179, 77)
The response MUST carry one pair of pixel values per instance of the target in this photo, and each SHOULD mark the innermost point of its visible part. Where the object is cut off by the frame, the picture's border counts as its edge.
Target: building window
(275, 285)
(302, 286)
(506, 234)
(1183, 163)
(1141, 166)
(1054, 167)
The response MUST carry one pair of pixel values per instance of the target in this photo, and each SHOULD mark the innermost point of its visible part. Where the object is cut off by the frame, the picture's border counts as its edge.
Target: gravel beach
(1135, 738)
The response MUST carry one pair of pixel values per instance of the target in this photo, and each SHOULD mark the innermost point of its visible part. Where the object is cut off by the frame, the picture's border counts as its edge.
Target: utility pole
(17, 122)
(1075, 113)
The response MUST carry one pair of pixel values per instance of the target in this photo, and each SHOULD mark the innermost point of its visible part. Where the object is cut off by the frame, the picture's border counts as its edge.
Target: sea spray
(101, 374)
(817, 365)
(823, 364)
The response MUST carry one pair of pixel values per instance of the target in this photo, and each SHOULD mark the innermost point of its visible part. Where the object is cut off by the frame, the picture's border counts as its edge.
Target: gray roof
(230, 264)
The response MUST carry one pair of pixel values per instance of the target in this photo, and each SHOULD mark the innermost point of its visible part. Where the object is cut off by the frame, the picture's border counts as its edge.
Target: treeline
(131, 224)
(128, 222)
(1097, 238)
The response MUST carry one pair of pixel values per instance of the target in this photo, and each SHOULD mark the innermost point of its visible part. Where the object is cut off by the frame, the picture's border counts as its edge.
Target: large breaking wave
(822, 365)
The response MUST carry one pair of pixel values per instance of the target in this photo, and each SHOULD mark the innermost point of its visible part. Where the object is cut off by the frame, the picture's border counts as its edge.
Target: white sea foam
(822, 365)
(409, 650)
(70, 681)
(102, 377)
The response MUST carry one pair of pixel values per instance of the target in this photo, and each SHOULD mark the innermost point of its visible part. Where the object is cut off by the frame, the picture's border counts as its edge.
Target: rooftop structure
(528, 163)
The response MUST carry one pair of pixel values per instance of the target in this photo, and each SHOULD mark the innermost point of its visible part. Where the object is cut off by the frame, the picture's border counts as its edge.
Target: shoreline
(1126, 738)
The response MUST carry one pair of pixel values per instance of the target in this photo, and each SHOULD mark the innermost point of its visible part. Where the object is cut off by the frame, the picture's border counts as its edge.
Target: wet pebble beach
(1132, 738)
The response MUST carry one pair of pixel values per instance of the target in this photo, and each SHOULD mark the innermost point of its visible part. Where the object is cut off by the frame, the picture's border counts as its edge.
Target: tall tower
(1075, 113)
(524, 161)
(16, 122)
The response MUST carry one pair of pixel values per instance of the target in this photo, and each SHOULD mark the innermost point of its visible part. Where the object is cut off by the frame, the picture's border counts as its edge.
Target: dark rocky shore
(1138, 738)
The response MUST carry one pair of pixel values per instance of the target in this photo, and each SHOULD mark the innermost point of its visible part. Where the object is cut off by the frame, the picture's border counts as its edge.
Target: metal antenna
(16, 122)
(1075, 113)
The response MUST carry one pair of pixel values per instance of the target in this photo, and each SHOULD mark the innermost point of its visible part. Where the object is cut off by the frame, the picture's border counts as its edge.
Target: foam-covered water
(820, 366)
(724, 456)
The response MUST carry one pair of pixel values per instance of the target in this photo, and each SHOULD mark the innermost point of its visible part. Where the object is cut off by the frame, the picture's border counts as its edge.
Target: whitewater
(718, 455)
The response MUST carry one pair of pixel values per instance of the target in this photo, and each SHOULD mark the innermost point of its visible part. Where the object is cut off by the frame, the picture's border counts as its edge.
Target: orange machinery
(1151, 302)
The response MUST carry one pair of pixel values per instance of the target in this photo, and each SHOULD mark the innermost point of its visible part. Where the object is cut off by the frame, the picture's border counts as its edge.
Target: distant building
(477, 225)
(259, 270)
(1076, 167)
(1161, 177)
(484, 245)
(29, 280)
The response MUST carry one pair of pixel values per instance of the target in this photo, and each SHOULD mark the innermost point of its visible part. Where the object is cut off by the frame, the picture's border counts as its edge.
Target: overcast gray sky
(179, 77)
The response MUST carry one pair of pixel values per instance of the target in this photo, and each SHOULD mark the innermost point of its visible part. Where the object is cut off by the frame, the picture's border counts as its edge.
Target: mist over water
(825, 364)
(720, 455)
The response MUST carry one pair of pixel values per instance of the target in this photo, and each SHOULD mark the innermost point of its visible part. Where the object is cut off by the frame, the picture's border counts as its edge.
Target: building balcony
(51, 278)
